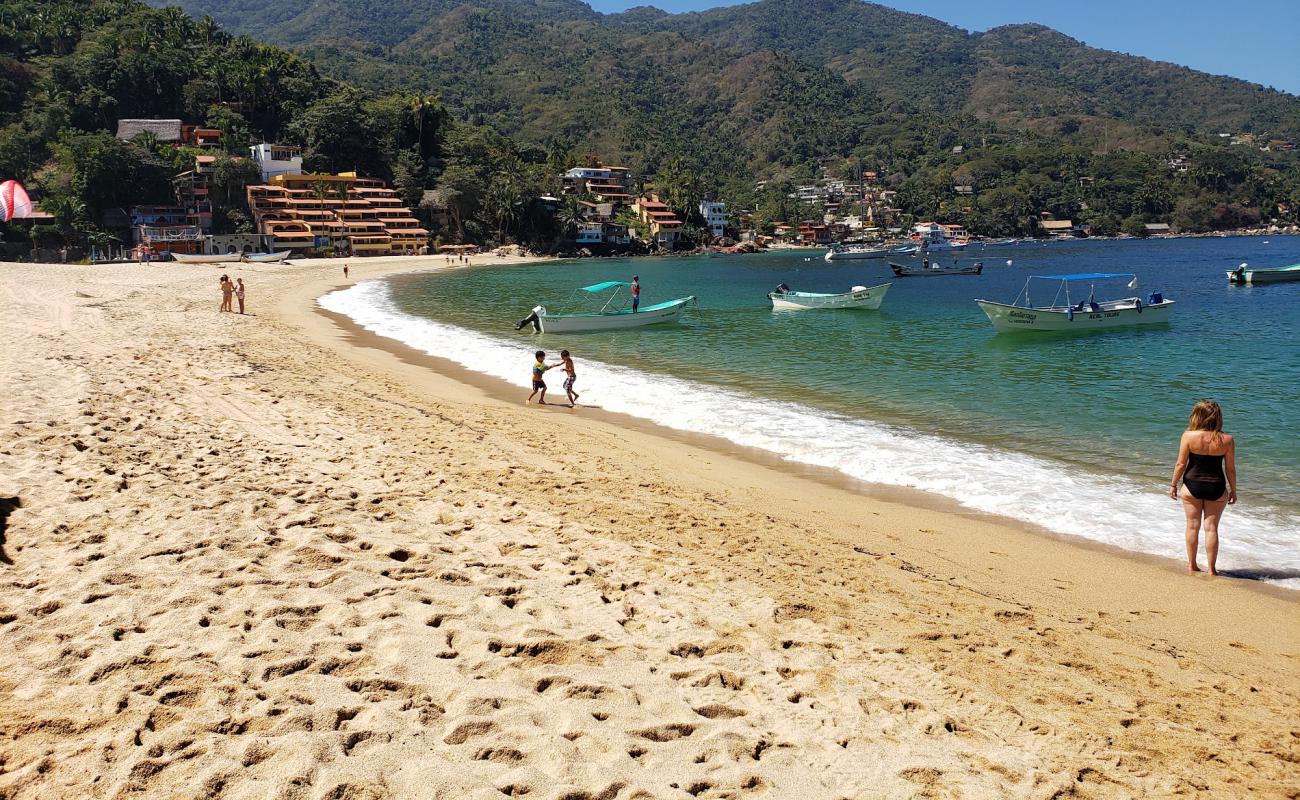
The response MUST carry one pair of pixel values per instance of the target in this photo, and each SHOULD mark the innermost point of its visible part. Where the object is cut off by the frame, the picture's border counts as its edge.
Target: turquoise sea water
(1073, 432)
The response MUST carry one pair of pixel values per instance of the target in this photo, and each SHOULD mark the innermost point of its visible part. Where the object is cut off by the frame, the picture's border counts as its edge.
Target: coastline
(940, 647)
(353, 336)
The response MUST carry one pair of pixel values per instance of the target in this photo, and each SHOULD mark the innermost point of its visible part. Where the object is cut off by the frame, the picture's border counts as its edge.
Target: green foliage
(495, 98)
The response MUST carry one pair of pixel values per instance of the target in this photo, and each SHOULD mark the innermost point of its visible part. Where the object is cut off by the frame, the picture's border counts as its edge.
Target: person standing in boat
(636, 293)
(1207, 468)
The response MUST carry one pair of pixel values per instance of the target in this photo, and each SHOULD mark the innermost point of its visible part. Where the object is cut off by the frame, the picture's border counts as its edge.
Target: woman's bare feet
(1192, 568)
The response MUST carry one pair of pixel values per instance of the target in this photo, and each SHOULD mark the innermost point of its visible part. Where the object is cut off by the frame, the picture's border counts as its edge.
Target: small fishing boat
(267, 258)
(1085, 315)
(862, 252)
(611, 316)
(197, 258)
(857, 297)
(932, 268)
(1245, 276)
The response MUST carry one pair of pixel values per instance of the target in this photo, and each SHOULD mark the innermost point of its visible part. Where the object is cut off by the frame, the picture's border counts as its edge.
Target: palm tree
(569, 216)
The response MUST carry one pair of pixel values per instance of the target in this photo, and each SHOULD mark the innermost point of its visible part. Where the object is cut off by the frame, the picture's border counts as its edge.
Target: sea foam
(1115, 511)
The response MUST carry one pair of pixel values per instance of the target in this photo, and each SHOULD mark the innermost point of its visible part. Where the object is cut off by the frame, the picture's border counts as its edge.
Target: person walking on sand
(227, 289)
(1207, 467)
(570, 376)
(345, 272)
(239, 294)
(539, 382)
(636, 293)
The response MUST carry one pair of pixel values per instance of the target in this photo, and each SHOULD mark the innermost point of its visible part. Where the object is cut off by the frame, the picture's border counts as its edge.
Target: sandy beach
(270, 556)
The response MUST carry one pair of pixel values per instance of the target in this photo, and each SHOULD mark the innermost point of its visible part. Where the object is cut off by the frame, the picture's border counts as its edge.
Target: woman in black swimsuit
(1207, 468)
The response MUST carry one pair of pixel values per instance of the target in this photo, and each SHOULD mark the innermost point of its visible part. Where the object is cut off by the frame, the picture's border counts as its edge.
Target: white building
(277, 159)
(715, 217)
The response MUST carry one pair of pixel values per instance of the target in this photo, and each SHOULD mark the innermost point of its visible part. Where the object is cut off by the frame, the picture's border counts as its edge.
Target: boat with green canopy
(1245, 276)
(1064, 313)
(614, 313)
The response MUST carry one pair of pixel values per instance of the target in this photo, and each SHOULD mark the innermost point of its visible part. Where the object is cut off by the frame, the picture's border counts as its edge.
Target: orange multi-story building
(313, 211)
(663, 223)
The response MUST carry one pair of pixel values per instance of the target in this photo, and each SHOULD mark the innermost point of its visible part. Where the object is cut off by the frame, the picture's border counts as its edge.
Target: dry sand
(263, 557)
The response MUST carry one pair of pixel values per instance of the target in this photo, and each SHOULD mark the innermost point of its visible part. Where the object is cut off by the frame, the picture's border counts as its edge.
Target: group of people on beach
(229, 291)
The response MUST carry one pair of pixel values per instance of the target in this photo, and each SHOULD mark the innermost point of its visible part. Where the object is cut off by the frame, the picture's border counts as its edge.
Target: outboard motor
(532, 319)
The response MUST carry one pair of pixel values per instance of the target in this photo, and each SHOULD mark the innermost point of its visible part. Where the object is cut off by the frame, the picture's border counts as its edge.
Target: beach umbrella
(14, 202)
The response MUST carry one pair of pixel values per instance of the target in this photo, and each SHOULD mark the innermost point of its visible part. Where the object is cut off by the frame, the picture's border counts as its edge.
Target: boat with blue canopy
(614, 314)
(1074, 309)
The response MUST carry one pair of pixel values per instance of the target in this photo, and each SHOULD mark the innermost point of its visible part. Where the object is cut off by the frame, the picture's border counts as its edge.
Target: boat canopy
(601, 287)
(1084, 276)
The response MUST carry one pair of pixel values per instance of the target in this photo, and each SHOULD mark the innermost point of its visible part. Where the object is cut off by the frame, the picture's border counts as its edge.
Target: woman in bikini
(227, 289)
(1207, 468)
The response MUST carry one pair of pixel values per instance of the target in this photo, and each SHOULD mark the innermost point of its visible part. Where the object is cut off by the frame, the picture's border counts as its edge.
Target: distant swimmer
(1207, 468)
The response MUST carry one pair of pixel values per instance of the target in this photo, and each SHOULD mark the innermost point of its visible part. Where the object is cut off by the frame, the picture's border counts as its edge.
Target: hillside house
(276, 159)
(715, 218)
(665, 227)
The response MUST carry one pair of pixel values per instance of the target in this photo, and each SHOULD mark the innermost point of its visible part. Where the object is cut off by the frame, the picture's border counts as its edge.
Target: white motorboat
(932, 268)
(267, 258)
(1085, 315)
(868, 298)
(862, 252)
(938, 244)
(1246, 276)
(609, 317)
(197, 258)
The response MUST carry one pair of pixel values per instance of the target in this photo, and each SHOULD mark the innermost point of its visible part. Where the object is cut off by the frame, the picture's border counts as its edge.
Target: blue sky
(1254, 40)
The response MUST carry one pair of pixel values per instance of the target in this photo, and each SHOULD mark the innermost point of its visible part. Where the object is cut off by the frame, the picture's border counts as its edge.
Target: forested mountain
(486, 102)
(503, 57)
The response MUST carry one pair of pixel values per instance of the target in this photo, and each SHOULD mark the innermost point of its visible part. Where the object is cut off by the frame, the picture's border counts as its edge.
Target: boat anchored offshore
(1085, 315)
(857, 297)
(931, 268)
(862, 252)
(1245, 276)
(610, 316)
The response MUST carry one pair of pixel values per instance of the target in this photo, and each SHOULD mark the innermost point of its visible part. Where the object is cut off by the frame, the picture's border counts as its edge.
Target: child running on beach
(539, 383)
(571, 376)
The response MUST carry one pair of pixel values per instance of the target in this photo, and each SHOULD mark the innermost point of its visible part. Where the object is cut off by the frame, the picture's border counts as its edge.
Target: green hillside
(487, 101)
(1023, 75)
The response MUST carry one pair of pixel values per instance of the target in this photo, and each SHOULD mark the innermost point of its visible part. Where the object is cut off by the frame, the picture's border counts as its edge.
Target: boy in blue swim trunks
(539, 384)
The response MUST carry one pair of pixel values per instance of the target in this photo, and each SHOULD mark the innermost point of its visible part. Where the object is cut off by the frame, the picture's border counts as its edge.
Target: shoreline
(355, 336)
(503, 391)
(267, 555)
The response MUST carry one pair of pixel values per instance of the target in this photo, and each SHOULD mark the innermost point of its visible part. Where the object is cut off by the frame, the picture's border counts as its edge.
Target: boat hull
(1255, 277)
(191, 258)
(1008, 318)
(865, 255)
(268, 258)
(659, 314)
(867, 299)
(921, 272)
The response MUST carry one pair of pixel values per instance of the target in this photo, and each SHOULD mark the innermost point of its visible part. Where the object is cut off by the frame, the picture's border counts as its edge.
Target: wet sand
(264, 556)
